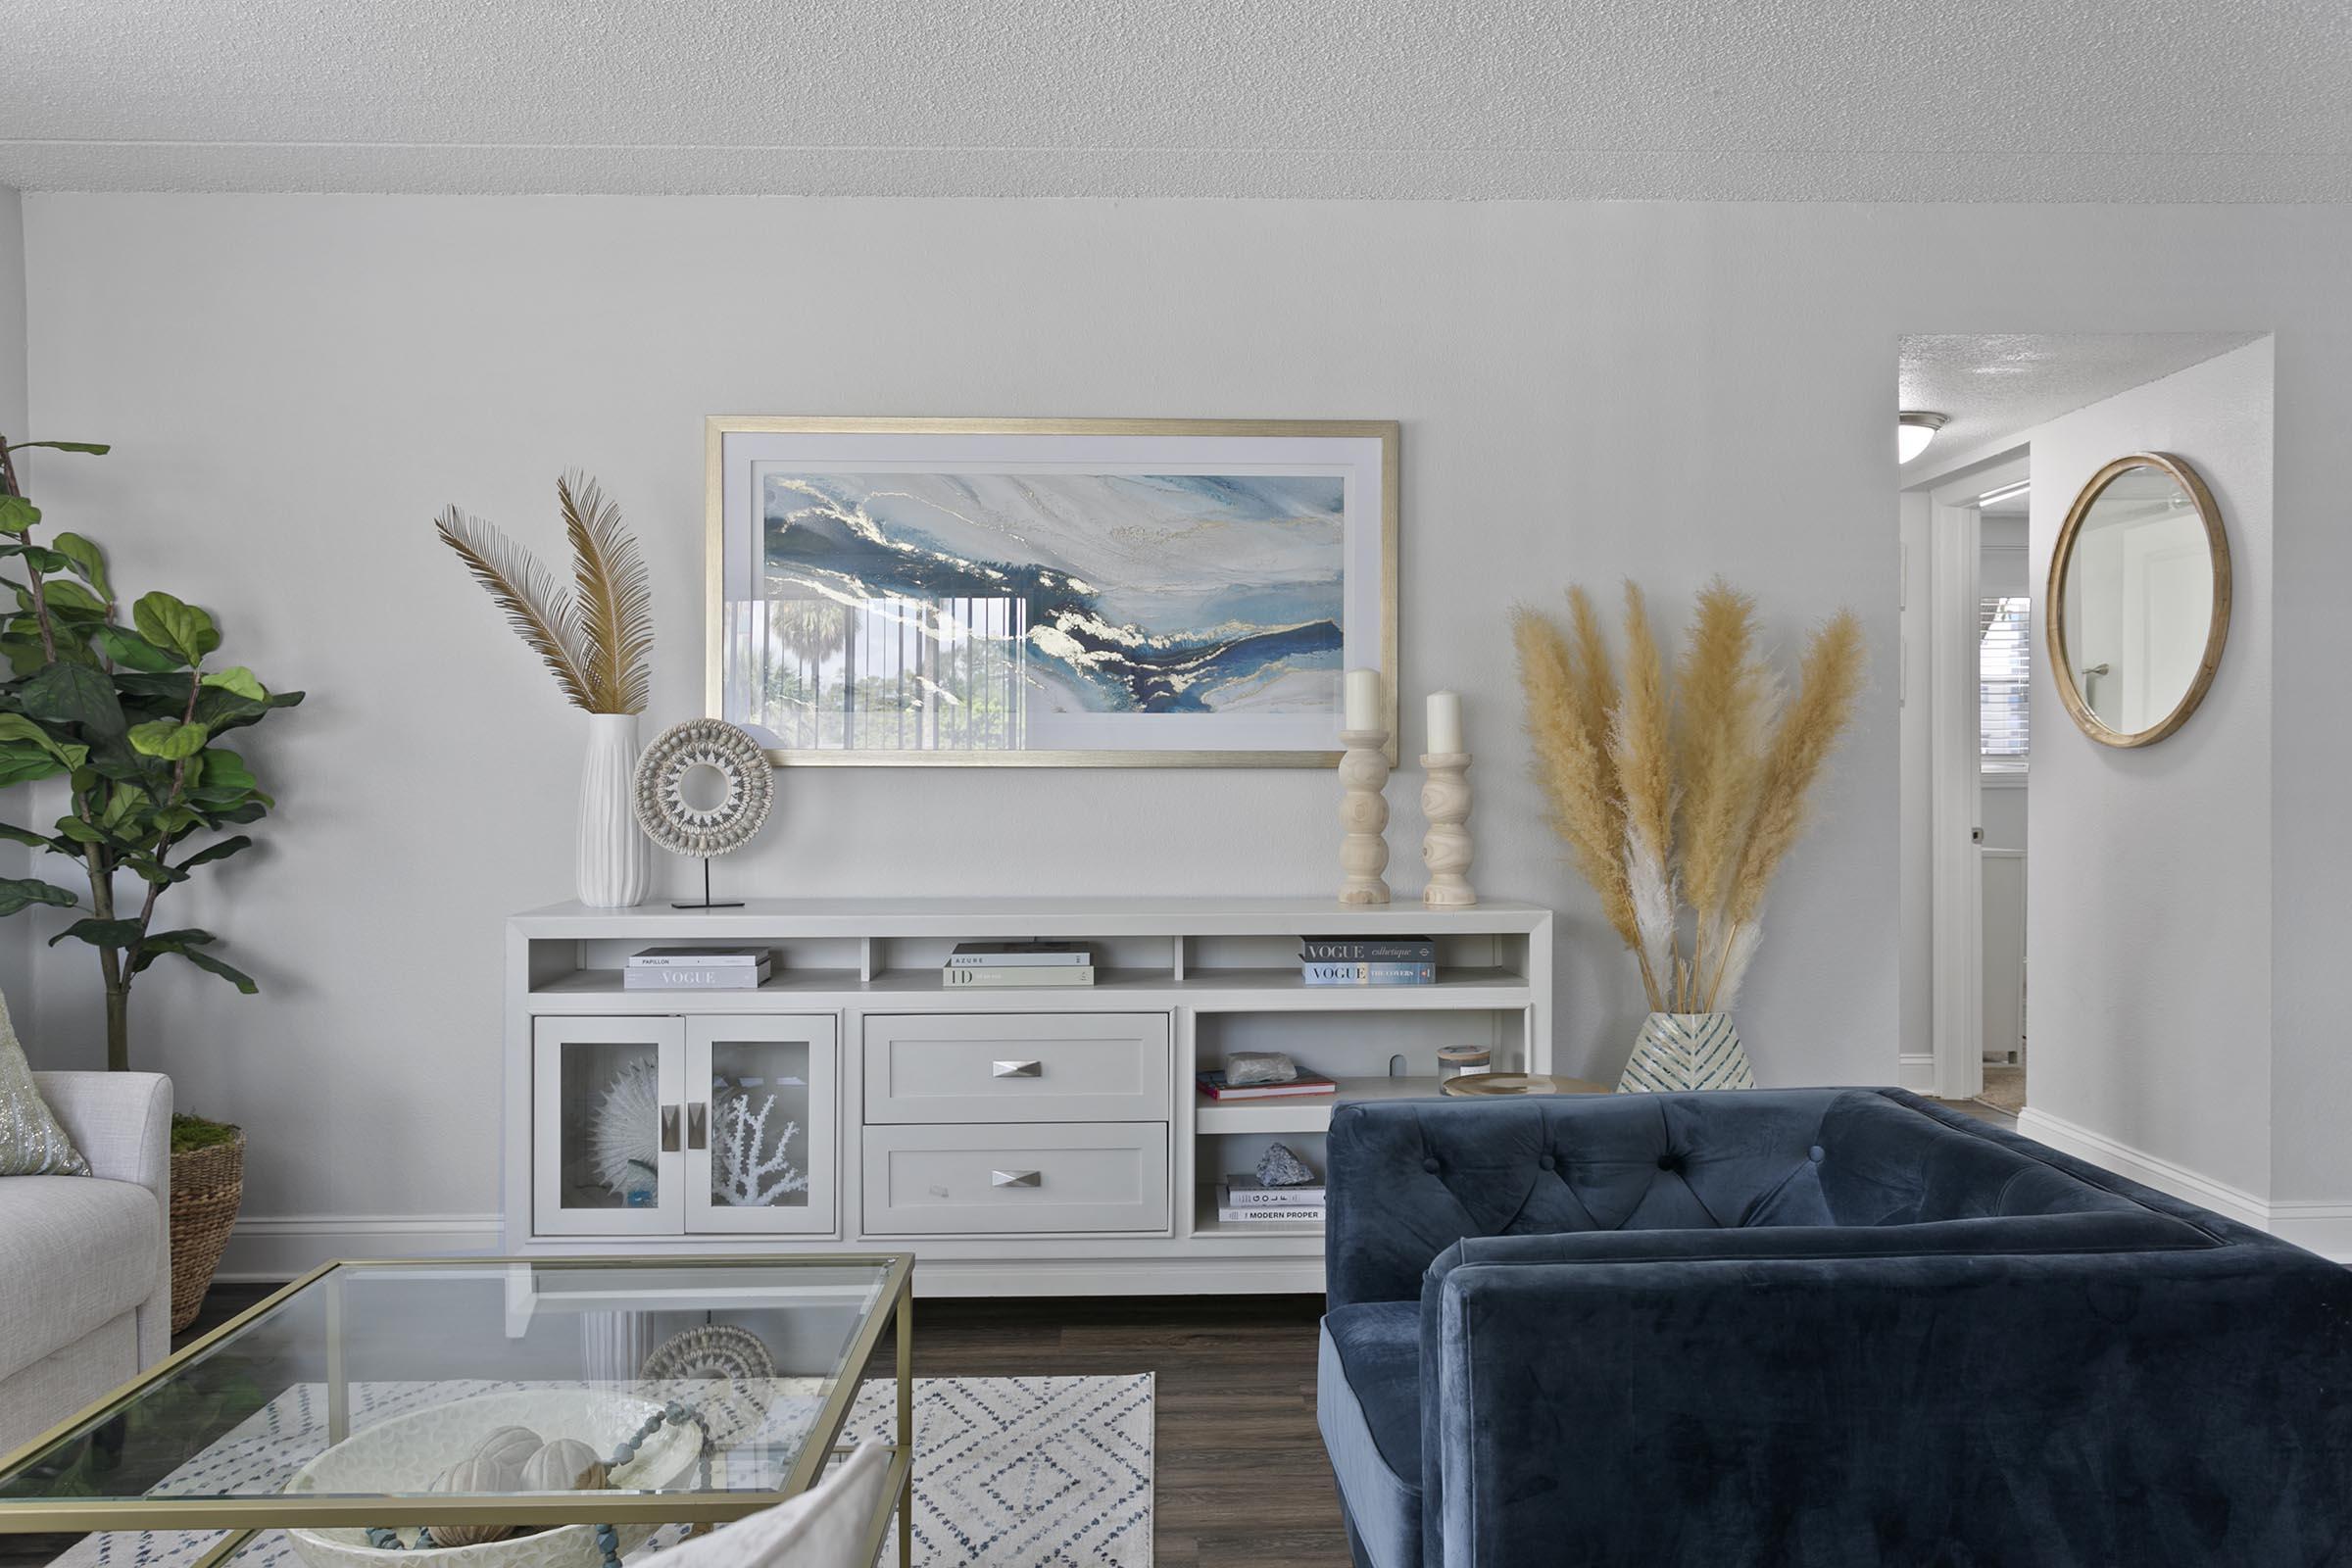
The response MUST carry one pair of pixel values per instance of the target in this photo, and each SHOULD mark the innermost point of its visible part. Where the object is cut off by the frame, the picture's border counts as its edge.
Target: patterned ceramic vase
(1678, 1051)
(614, 861)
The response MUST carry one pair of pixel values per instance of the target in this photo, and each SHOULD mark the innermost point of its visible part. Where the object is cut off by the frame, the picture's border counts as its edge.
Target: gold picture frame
(721, 430)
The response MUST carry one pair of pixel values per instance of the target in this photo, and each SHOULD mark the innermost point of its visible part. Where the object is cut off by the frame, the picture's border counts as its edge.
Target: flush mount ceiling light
(1913, 430)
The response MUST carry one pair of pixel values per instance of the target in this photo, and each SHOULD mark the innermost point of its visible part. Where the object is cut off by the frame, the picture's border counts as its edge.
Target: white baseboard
(1916, 1071)
(270, 1249)
(2325, 1228)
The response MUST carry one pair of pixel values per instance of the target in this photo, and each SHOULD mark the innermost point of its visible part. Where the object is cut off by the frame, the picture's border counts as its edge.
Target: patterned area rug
(1009, 1473)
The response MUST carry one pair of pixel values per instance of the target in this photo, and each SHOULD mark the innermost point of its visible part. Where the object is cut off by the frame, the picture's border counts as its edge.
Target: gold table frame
(246, 1517)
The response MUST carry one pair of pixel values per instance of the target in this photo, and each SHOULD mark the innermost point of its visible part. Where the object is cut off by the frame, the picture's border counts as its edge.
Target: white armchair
(85, 1261)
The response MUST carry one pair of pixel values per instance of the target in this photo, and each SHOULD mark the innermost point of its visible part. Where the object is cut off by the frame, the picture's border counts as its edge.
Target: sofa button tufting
(1815, 1155)
(1544, 1160)
(1669, 1162)
(1430, 1164)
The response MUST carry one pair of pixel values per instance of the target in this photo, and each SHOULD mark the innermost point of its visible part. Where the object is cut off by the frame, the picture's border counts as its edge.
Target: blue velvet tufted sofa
(1810, 1327)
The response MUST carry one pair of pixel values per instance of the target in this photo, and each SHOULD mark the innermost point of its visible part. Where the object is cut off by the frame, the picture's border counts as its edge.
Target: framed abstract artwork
(1100, 593)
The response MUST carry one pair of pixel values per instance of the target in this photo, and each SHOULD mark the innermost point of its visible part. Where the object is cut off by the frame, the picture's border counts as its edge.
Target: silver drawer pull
(698, 1125)
(1016, 1069)
(670, 1129)
(1015, 1178)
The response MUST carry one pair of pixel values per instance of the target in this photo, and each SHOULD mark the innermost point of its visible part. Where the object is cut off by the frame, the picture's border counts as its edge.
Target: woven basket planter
(207, 1186)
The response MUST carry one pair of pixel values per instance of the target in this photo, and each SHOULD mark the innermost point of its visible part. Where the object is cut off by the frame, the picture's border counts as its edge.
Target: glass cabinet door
(760, 1118)
(607, 1120)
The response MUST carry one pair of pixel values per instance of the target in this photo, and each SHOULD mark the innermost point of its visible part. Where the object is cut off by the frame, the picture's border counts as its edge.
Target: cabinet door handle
(698, 1125)
(670, 1129)
(1015, 1178)
(1016, 1069)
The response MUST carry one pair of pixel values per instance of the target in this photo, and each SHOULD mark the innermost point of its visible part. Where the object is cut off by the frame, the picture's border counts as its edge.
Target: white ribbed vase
(614, 861)
(1678, 1051)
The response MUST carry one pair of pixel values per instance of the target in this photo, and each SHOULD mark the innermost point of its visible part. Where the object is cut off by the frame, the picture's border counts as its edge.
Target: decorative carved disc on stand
(748, 788)
(713, 1351)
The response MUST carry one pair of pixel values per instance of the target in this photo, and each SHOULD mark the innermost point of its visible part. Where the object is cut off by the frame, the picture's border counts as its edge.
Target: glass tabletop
(693, 1384)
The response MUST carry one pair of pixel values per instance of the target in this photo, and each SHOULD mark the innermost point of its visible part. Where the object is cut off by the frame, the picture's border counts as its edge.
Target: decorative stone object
(1246, 1067)
(508, 1447)
(565, 1465)
(747, 788)
(1279, 1167)
(478, 1475)
(1364, 816)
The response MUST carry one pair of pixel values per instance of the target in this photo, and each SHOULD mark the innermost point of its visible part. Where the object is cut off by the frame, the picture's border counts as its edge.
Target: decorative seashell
(475, 1475)
(565, 1465)
(511, 1446)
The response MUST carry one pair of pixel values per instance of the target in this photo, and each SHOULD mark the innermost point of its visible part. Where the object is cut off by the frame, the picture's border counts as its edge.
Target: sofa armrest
(121, 1122)
(2145, 1407)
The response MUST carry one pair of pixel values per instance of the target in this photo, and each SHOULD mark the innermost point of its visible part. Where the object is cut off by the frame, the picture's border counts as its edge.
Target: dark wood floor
(1240, 1477)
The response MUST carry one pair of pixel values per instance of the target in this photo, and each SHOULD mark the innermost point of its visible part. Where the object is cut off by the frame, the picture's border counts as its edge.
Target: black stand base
(733, 903)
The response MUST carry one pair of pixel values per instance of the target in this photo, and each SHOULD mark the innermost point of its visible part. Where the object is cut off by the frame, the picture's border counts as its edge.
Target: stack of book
(1368, 962)
(1019, 963)
(1215, 1086)
(1248, 1200)
(698, 968)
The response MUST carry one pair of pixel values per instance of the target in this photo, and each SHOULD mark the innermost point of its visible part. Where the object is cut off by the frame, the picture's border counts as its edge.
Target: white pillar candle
(1444, 722)
(1363, 700)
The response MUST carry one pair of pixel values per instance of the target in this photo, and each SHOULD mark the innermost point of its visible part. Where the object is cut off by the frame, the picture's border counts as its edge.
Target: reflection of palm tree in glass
(804, 635)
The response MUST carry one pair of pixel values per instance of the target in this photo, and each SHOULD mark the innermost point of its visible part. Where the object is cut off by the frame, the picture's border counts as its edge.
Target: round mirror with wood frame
(2138, 605)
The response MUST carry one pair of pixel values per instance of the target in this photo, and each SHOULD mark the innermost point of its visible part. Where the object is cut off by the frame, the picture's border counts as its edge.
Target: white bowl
(405, 1452)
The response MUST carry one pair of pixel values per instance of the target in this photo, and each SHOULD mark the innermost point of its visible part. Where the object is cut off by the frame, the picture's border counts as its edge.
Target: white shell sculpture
(475, 1475)
(683, 828)
(622, 1139)
(565, 1465)
(512, 1446)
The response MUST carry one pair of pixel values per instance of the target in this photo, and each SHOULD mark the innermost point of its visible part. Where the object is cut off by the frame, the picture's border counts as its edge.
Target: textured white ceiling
(2056, 99)
(1996, 386)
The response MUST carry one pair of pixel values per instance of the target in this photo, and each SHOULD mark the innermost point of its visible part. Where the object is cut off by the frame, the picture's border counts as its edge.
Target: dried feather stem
(1722, 695)
(1638, 754)
(616, 618)
(542, 613)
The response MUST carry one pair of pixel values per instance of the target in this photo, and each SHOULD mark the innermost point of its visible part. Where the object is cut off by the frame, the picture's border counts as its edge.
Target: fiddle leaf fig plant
(131, 717)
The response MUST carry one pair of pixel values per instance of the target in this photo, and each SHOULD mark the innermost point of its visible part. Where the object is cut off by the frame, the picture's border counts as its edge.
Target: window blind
(2004, 662)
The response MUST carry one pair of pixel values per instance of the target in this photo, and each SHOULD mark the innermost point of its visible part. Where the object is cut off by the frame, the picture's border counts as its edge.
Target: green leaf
(100, 933)
(17, 728)
(39, 556)
(22, 892)
(212, 965)
(94, 448)
(134, 652)
(224, 769)
(63, 593)
(23, 835)
(217, 851)
(88, 558)
(167, 737)
(73, 694)
(26, 765)
(121, 802)
(239, 680)
(16, 514)
(82, 832)
(176, 624)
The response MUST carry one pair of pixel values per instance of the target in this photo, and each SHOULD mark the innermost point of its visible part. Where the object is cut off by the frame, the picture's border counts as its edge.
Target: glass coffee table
(336, 1409)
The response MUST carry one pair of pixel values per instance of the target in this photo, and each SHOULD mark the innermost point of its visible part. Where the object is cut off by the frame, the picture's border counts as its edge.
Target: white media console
(1020, 1141)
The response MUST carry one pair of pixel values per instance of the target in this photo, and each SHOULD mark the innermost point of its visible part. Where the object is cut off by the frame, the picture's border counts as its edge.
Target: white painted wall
(15, 933)
(297, 383)
(2150, 882)
(1916, 946)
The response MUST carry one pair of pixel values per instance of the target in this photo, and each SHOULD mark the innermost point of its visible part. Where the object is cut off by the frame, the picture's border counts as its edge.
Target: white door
(759, 1120)
(606, 1154)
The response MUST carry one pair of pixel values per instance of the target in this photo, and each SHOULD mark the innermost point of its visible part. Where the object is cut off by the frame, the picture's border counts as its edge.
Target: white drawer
(1016, 1066)
(949, 1181)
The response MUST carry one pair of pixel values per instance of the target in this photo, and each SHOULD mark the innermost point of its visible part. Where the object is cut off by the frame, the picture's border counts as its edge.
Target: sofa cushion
(80, 1251)
(1367, 1402)
(1890, 1165)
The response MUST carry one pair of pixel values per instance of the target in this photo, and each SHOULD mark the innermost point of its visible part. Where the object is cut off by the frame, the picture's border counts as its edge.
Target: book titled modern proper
(1018, 955)
(1369, 975)
(1262, 1216)
(1213, 1085)
(696, 977)
(689, 956)
(1367, 950)
(1066, 974)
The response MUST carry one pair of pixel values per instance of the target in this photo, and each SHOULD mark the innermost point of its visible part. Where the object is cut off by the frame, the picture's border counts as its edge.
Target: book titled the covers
(1380, 973)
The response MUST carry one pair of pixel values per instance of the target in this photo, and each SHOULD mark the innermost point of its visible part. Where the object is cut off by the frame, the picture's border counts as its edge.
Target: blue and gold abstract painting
(1001, 609)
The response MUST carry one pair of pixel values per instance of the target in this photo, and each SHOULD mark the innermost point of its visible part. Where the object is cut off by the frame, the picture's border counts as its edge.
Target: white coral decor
(744, 1172)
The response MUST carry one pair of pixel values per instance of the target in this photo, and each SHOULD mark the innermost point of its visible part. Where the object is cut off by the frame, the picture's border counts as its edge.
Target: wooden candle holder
(1446, 847)
(1364, 816)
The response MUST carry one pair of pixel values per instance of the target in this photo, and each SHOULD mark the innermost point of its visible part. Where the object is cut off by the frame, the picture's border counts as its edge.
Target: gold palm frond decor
(597, 636)
(1678, 802)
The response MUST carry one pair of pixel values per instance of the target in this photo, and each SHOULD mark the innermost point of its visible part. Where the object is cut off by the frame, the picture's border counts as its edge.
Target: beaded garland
(607, 1539)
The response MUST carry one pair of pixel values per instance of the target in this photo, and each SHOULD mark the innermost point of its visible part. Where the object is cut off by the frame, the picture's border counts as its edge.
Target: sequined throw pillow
(32, 1142)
